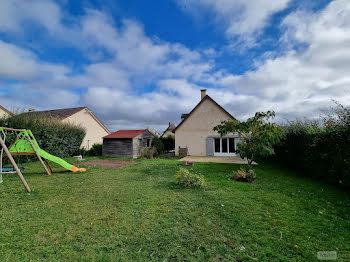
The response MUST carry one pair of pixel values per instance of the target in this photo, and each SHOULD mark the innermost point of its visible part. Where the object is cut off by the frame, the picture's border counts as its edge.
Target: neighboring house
(127, 143)
(81, 116)
(4, 113)
(153, 131)
(195, 133)
(169, 130)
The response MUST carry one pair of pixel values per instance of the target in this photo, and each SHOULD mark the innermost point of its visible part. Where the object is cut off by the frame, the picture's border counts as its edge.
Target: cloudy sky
(142, 63)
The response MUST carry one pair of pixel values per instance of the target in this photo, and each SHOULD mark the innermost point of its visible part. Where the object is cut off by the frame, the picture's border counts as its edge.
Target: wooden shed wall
(140, 142)
(117, 147)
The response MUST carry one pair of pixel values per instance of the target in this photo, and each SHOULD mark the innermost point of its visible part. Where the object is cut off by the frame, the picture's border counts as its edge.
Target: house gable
(204, 117)
(193, 131)
(95, 130)
(4, 113)
(169, 130)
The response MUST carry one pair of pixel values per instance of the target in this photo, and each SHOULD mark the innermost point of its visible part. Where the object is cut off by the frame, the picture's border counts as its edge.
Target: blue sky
(142, 63)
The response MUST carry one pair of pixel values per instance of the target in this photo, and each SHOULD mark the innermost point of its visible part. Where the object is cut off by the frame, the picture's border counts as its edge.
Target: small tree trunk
(249, 163)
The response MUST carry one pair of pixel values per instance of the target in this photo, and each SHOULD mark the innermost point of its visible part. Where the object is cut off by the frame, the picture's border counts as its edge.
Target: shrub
(157, 143)
(297, 137)
(53, 136)
(82, 151)
(244, 175)
(318, 151)
(185, 178)
(148, 152)
(163, 144)
(95, 150)
(169, 143)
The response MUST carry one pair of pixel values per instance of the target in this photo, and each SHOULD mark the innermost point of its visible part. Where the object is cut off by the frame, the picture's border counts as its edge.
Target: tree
(158, 144)
(169, 143)
(258, 135)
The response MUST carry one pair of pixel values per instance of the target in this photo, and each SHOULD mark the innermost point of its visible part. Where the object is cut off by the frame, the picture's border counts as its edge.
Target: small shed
(127, 143)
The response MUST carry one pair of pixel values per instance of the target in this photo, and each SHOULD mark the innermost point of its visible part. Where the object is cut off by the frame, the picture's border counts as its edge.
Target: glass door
(224, 146)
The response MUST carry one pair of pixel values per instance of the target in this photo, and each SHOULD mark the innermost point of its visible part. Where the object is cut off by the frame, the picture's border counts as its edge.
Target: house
(195, 136)
(4, 113)
(169, 130)
(153, 131)
(81, 116)
(127, 143)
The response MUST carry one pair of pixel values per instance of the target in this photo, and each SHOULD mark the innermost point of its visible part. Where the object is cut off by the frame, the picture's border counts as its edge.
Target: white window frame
(228, 148)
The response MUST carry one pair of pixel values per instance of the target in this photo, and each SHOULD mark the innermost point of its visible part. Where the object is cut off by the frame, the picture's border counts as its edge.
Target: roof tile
(57, 113)
(126, 133)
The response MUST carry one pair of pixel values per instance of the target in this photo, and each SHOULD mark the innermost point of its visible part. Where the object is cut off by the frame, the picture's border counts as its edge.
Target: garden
(292, 205)
(139, 213)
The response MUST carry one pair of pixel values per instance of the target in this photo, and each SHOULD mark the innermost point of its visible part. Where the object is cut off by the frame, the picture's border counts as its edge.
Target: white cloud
(21, 64)
(132, 51)
(151, 109)
(15, 13)
(301, 83)
(244, 19)
(104, 74)
(123, 62)
(114, 81)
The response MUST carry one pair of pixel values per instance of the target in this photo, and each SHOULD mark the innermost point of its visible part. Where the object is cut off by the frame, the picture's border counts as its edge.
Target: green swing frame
(24, 137)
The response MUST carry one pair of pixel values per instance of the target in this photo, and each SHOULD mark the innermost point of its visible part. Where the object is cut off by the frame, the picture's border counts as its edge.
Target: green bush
(163, 144)
(149, 152)
(157, 143)
(185, 178)
(318, 151)
(244, 175)
(169, 143)
(82, 151)
(95, 150)
(57, 138)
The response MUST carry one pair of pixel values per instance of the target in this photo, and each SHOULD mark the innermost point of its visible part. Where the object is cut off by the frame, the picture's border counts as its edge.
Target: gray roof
(56, 113)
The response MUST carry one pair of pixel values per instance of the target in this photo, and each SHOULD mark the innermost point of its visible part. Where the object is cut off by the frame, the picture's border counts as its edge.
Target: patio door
(224, 146)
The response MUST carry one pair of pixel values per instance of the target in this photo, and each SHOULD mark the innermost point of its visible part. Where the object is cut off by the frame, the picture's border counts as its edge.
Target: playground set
(26, 144)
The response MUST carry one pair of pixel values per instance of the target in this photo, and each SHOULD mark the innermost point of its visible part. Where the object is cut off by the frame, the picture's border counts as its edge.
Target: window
(224, 145)
(148, 142)
(232, 148)
(217, 145)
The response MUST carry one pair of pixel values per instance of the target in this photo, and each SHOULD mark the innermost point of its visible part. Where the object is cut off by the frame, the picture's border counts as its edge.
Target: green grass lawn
(137, 213)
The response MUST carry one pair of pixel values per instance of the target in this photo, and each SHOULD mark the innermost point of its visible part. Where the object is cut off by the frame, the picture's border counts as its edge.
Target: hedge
(320, 152)
(163, 144)
(57, 138)
(168, 142)
(95, 150)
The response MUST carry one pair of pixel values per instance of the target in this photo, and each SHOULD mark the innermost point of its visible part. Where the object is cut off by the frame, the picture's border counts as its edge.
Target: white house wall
(94, 131)
(197, 127)
(3, 113)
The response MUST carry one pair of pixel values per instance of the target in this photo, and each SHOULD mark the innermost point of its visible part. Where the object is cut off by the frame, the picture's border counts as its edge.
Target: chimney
(203, 93)
(31, 110)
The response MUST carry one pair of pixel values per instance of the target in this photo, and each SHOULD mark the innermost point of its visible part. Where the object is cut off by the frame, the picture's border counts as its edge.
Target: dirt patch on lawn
(108, 163)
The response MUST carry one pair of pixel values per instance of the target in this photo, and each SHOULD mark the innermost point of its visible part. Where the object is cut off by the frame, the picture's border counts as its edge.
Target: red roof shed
(126, 133)
(127, 143)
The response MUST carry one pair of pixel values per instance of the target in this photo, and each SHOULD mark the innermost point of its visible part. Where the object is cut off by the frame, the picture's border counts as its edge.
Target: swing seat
(10, 170)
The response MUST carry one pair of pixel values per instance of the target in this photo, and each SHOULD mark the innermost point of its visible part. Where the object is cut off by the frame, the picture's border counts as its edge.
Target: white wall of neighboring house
(3, 113)
(197, 127)
(94, 131)
(168, 133)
